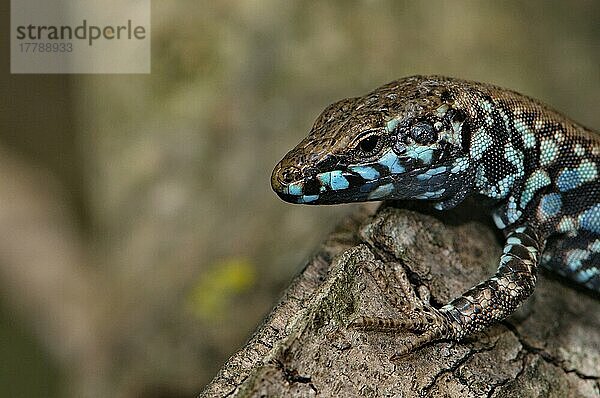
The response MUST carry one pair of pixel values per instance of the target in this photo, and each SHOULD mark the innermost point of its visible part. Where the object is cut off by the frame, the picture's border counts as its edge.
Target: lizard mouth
(332, 187)
(360, 184)
(385, 178)
(327, 197)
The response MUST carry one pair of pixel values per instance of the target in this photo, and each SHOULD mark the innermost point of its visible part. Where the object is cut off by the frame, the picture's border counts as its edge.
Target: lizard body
(443, 139)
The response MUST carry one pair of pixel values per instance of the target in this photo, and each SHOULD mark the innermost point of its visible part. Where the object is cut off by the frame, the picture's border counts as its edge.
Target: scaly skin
(442, 139)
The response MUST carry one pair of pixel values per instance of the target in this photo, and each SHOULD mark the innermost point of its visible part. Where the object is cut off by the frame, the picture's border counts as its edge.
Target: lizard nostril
(289, 175)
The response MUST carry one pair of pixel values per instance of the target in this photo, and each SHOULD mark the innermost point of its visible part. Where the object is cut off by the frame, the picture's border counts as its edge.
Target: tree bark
(304, 348)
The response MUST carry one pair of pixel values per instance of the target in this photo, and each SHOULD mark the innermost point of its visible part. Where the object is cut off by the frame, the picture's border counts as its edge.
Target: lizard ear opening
(423, 133)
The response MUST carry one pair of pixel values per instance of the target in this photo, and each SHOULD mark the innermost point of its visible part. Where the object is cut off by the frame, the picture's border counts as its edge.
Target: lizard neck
(503, 150)
(517, 148)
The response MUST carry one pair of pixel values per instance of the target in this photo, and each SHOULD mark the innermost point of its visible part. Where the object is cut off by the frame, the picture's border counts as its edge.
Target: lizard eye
(368, 144)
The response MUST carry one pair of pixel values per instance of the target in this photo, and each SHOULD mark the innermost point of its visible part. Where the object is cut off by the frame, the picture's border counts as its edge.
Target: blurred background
(140, 242)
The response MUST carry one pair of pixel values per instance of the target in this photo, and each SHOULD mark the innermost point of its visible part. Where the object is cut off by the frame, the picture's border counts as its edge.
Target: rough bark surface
(304, 348)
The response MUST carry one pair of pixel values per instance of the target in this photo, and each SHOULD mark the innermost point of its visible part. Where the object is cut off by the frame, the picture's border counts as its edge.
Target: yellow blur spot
(215, 290)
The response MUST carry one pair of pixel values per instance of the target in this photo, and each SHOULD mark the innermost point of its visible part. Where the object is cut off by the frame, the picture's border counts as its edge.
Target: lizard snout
(284, 176)
(287, 182)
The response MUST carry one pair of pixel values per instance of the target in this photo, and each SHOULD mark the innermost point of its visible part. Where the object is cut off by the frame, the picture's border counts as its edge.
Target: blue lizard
(442, 139)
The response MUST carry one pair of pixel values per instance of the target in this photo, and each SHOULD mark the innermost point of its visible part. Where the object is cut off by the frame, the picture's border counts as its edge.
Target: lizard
(442, 139)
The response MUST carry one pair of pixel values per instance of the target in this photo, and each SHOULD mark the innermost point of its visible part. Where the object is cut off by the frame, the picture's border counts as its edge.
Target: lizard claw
(411, 344)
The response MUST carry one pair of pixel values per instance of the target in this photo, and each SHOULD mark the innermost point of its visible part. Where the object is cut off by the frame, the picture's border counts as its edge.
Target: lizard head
(405, 140)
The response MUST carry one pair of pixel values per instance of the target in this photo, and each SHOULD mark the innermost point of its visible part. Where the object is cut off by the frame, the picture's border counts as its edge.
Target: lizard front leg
(484, 304)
